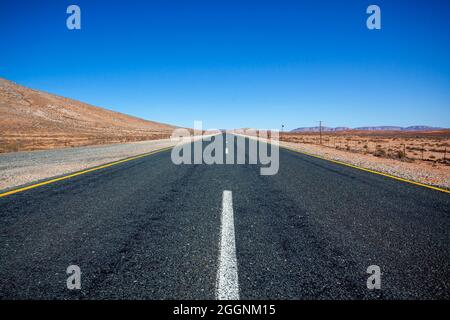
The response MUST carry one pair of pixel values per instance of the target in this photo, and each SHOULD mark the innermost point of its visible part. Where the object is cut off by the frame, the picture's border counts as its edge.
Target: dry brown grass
(426, 146)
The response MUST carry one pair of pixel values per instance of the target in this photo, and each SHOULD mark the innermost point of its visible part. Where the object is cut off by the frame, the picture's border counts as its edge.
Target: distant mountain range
(377, 128)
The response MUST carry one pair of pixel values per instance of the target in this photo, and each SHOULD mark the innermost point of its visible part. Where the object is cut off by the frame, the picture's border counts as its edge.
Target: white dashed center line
(227, 275)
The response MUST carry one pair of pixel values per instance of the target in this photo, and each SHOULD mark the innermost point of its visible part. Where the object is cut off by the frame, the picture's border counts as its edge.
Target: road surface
(149, 229)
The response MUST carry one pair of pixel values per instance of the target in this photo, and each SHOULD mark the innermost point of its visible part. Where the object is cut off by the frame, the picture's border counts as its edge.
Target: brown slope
(33, 120)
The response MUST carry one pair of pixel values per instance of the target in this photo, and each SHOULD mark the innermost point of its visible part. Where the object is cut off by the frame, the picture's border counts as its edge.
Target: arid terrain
(422, 156)
(35, 120)
(429, 146)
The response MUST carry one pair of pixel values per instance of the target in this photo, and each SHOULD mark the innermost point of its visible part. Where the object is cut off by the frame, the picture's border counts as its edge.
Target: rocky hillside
(33, 120)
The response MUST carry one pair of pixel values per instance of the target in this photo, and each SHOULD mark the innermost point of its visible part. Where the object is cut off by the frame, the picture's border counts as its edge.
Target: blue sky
(238, 63)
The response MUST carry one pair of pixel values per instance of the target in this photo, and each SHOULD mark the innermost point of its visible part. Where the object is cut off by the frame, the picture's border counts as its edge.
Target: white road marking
(226, 150)
(227, 276)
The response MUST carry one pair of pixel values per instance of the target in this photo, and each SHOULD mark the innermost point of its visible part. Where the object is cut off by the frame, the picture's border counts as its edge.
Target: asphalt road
(149, 229)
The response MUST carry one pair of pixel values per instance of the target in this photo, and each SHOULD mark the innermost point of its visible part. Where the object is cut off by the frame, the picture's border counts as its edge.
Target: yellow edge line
(369, 170)
(80, 173)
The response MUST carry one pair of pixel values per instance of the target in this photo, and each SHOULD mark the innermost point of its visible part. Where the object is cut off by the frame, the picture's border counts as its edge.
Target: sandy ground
(431, 146)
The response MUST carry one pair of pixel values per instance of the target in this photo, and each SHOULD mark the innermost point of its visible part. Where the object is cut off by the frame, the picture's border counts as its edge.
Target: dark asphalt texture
(149, 229)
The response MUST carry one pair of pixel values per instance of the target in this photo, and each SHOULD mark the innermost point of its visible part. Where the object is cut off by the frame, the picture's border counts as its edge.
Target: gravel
(437, 175)
(21, 168)
(427, 173)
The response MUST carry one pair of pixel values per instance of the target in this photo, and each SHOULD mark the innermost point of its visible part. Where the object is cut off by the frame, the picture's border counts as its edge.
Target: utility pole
(320, 131)
(282, 128)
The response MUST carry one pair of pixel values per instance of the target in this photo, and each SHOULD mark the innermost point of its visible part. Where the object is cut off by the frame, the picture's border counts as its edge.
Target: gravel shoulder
(424, 173)
(21, 168)
(437, 175)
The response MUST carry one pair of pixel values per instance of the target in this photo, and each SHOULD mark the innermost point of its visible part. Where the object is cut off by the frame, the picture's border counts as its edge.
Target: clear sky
(238, 63)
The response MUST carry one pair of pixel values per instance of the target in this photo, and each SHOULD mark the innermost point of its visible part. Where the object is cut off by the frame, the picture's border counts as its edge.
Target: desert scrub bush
(380, 153)
(401, 155)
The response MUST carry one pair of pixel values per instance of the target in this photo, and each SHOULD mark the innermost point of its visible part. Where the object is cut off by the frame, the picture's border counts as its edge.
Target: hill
(34, 120)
